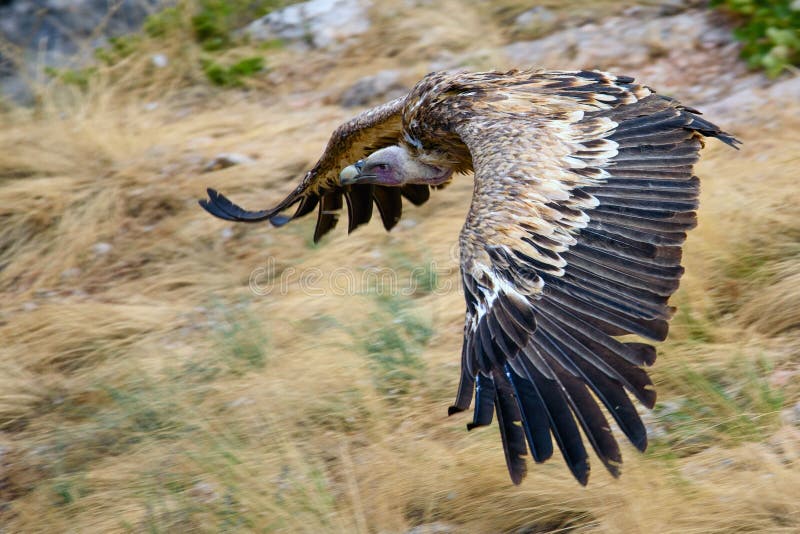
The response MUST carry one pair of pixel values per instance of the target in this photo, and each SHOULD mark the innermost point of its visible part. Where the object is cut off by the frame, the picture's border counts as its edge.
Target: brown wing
(573, 238)
(371, 130)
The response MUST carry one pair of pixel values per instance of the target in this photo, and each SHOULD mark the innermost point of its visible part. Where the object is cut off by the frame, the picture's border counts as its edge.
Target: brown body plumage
(583, 195)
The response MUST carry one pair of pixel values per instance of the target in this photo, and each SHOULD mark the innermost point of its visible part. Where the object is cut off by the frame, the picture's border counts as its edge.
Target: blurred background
(165, 371)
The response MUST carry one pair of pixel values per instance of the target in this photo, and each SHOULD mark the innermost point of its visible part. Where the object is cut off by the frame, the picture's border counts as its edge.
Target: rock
(785, 444)
(751, 95)
(204, 492)
(102, 248)
(433, 528)
(690, 54)
(316, 23)
(791, 416)
(382, 86)
(711, 462)
(15, 88)
(227, 159)
(780, 378)
(535, 22)
(619, 41)
(407, 222)
(58, 26)
(159, 60)
(241, 401)
(655, 430)
(788, 90)
(671, 7)
(71, 273)
(54, 33)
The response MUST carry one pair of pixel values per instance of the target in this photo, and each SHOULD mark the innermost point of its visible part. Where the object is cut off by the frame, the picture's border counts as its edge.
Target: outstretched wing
(373, 129)
(573, 238)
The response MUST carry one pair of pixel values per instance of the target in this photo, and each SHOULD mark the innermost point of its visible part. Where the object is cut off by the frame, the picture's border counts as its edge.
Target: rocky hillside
(36, 34)
(678, 45)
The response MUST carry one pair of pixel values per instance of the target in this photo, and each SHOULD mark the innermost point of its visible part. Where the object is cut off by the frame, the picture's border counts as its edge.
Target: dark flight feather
(584, 192)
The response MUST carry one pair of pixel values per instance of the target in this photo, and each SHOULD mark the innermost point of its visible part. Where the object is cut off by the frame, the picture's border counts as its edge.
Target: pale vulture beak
(351, 173)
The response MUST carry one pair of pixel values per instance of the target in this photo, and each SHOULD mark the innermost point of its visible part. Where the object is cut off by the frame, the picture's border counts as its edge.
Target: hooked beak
(351, 173)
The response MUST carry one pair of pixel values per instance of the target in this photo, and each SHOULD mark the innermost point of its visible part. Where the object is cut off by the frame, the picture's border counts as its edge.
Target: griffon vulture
(583, 194)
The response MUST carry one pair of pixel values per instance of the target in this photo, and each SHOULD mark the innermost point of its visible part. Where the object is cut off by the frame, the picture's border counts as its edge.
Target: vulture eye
(382, 166)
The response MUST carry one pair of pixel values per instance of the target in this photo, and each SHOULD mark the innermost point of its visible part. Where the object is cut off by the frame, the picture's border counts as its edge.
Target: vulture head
(393, 166)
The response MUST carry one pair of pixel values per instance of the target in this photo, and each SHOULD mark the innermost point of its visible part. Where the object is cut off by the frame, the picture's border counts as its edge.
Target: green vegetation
(209, 25)
(210, 22)
(423, 277)
(79, 78)
(769, 30)
(696, 327)
(233, 75)
(716, 406)
(168, 21)
(240, 346)
(138, 410)
(394, 345)
(243, 342)
(118, 49)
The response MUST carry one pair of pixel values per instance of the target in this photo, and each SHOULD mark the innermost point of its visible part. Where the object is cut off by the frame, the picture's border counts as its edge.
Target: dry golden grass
(144, 387)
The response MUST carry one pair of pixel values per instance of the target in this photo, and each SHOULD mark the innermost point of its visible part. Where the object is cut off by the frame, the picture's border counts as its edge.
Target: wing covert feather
(371, 130)
(583, 196)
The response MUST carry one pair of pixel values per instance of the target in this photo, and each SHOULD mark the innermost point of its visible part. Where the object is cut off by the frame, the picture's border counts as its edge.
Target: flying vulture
(583, 194)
